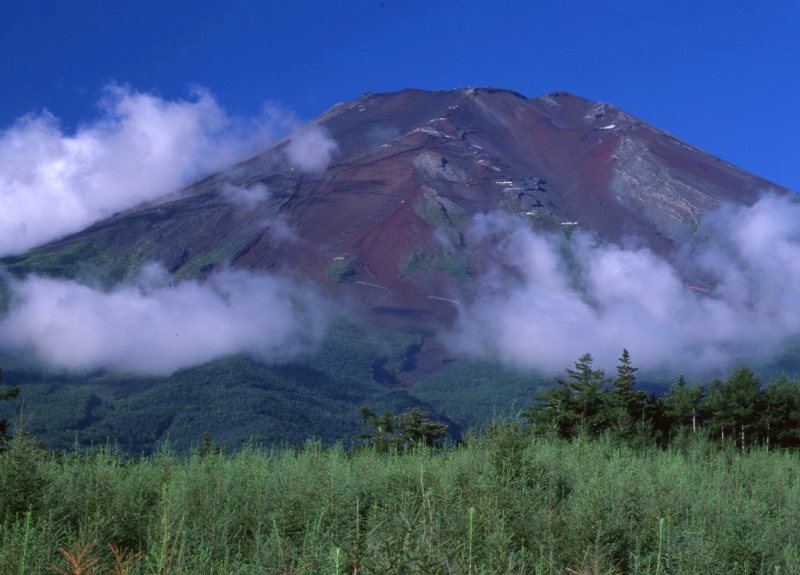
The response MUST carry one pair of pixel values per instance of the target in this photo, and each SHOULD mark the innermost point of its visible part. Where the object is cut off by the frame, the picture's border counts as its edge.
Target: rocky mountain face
(383, 224)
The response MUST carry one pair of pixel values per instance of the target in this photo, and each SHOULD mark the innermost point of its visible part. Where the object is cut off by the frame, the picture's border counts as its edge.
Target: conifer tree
(408, 428)
(574, 404)
(553, 411)
(781, 416)
(416, 427)
(746, 402)
(734, 405)
(383, 434)
(715, 407)
(682, 404)
(587, 385)
(624, 405)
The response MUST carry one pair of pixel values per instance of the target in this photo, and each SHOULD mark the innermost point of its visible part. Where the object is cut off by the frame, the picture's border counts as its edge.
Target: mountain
(383, 226)
(408, 164)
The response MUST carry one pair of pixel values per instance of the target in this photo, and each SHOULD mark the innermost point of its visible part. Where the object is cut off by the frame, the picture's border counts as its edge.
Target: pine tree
(553, 411)
(404, 430)
(682, 405)
(715, 406)
(624, 405)
(574, 404)
(780, 422)
(416, 427)
(747, 398)
(586, 385)
(735, 405)
(383, 434)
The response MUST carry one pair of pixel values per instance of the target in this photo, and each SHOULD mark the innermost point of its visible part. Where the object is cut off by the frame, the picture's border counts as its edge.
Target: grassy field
(502, 502)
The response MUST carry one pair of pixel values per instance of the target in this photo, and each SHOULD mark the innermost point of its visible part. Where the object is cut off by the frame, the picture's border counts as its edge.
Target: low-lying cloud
(152, 326)
(245, 197)
(141, 147)
(571, 296)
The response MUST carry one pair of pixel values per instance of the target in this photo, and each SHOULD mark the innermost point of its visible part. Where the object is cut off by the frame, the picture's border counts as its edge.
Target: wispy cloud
(311, 149)
(245, 197)
(140, 148)
(569, 296)
(152, 326)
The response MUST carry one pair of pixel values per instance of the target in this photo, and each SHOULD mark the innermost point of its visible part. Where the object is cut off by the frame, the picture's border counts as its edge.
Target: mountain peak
(385, 219)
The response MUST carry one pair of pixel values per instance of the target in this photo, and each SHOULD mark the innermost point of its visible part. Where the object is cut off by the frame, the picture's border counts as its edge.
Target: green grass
(505, 502)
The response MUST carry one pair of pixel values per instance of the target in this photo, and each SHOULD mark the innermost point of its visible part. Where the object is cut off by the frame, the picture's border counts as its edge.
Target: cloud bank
(571, 296)
(139, 149)
(150, 326)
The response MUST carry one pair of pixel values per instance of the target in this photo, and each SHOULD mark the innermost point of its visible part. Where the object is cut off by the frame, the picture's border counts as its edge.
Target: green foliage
(735, 405)
(506, 501)
(453, 262)
(585, 385)
(473, 393)
(782, 412)
(623, 405)
(682, 404)
(408, 429)
(207, 447)
(382, 436)
(22, 479)
(736, 410)
(575, 404)
(319, 396)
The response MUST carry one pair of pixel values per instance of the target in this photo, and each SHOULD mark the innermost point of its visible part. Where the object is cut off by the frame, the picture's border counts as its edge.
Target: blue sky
(723, 76)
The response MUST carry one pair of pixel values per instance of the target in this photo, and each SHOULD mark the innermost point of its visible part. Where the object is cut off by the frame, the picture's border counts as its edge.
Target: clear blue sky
(724, 76)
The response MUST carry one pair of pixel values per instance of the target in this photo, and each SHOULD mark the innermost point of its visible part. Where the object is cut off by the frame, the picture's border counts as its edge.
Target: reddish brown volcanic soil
(383, 226)
(414, 162)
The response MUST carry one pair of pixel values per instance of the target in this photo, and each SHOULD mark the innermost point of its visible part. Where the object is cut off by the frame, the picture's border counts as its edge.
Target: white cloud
(150, 326)
(142, 147)
(245, 197)
(573, 296)
(311, 149)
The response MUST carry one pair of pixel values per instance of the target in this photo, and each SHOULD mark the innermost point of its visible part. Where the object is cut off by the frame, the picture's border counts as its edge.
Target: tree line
(739, 409)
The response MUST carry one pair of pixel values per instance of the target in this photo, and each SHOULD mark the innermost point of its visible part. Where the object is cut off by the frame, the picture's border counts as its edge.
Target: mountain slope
(411, 169)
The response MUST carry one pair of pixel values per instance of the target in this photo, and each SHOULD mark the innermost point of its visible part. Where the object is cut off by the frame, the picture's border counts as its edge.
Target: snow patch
(429, 131)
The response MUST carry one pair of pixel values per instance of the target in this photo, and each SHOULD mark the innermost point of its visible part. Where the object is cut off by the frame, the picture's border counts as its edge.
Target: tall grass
(505, 502)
